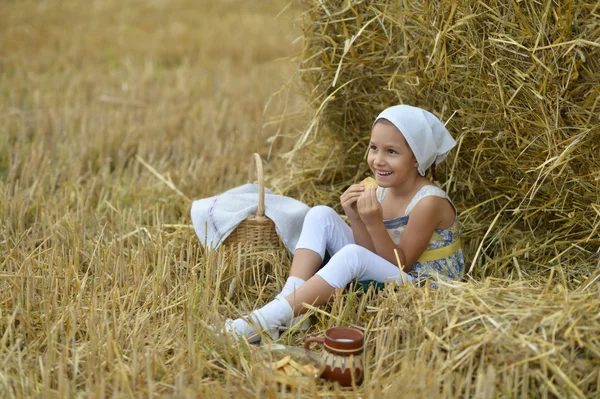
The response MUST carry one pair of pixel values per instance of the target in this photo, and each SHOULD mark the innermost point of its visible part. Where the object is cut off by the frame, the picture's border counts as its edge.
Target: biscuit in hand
(368, 182)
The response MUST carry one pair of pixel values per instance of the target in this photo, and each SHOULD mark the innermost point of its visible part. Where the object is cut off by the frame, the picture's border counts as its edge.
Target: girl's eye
(392, 151)
(373, 148)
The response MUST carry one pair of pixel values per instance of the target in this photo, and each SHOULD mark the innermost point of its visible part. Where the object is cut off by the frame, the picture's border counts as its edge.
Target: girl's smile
(382, 175)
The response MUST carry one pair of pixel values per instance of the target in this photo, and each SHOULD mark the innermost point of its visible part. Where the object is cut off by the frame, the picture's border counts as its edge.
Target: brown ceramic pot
(342, 354)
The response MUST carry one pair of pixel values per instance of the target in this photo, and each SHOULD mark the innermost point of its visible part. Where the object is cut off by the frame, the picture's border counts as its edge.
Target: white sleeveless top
(450, 268)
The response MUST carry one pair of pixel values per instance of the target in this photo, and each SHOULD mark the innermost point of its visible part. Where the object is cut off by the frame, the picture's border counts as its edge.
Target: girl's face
(390, 158)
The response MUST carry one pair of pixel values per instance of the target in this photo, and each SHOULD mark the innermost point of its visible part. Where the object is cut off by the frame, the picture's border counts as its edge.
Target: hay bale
(518, 84)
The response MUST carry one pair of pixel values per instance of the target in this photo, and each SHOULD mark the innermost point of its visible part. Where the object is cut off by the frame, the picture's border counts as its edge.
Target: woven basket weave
(256, 230)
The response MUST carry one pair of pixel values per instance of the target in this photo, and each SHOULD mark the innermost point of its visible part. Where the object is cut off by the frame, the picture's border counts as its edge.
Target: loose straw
(398, 259)
(400, 266)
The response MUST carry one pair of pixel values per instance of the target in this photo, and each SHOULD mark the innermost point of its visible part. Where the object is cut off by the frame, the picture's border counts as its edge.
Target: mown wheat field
(114, 116)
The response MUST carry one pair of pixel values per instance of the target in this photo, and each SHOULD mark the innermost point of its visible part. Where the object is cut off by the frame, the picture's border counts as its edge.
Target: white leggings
(324, 229)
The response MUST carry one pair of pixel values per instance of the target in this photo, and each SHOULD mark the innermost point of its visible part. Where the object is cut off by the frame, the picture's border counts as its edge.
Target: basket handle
(256, 166)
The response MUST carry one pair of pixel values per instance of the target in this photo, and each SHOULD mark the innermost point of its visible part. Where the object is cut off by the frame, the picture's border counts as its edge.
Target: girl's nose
(379, 160)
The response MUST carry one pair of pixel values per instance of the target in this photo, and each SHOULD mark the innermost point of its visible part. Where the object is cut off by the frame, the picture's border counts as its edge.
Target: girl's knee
(350, 258)
(320, 212)
(353, 250)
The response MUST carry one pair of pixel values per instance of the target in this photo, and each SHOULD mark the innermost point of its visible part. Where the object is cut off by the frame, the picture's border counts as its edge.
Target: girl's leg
(352, 263)
(323, 230)
(305, 264)
(315, 291)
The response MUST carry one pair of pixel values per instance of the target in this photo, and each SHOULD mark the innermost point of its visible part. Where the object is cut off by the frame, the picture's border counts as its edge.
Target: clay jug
(342, 354)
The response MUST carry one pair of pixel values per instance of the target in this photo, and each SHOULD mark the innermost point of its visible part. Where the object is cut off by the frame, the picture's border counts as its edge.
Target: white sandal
(273, 333)
(302, 319)
(257, 337)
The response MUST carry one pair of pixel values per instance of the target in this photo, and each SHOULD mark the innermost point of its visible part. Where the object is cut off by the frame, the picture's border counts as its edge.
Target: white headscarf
(426, 135)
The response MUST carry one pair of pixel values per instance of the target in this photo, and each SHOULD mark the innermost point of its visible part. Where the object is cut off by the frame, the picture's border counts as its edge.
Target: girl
(405, 213)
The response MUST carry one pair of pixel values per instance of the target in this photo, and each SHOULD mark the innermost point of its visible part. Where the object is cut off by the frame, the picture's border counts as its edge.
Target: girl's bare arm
(421, 225)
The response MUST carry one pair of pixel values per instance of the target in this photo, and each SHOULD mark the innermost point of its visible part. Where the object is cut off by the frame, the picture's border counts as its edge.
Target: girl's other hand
(369, 209)
(348, 200)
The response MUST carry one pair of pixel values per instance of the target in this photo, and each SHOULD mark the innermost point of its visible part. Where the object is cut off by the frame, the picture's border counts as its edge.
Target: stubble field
(113, 118)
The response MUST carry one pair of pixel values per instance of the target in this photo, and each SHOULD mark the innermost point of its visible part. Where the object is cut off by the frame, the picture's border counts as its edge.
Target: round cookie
(368, 182)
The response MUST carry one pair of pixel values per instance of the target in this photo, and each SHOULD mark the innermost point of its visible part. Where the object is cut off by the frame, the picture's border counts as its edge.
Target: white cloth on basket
(216, 217)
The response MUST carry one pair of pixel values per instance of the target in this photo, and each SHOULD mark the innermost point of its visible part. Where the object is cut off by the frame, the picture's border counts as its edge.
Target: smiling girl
(406, 213)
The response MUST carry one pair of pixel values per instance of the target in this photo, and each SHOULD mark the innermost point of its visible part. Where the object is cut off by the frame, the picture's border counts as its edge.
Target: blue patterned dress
(449, 268)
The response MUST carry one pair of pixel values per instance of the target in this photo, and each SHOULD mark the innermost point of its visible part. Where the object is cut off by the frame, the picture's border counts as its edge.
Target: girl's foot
(250, 329)
(267, 319)
(303, 321)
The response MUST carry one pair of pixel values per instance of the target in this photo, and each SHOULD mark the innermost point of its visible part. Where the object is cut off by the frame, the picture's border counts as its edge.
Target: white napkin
(216, 217)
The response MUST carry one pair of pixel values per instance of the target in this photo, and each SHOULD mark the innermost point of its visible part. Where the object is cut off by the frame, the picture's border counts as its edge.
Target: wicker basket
(256, 230)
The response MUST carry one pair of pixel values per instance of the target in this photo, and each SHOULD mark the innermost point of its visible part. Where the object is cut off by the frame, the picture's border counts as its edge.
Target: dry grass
(112, 117)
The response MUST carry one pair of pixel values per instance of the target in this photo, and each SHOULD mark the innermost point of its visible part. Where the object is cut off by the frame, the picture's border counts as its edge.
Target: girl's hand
(348, 200)
(369, 209)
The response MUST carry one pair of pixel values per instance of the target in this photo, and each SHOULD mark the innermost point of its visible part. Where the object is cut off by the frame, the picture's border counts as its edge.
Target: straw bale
(517, 84)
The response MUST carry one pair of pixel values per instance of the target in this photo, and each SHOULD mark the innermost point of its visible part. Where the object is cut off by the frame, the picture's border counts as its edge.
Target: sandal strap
(262, 322)
(303, 319)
